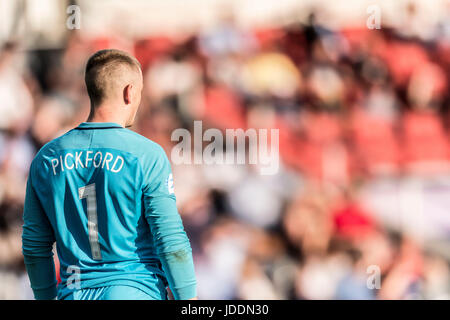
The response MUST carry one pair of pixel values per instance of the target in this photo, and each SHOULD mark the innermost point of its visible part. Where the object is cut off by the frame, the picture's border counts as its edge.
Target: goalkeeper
(105, 195)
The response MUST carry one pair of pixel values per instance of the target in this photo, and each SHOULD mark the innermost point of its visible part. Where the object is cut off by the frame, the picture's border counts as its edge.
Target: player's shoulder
(49, 148)
(142, 141)
(142, 145)
(52, 146)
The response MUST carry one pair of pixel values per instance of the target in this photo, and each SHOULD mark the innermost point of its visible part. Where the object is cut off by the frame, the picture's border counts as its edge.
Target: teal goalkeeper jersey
(105, 195)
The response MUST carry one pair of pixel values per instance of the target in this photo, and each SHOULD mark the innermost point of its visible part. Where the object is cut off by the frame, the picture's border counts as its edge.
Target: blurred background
(363, 117)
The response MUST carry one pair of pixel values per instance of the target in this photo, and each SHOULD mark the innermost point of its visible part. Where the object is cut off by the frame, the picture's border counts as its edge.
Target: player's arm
(171, 241)
(37, 243)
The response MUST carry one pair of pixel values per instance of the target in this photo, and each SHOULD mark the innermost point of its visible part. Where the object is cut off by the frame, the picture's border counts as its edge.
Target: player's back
(91, 183)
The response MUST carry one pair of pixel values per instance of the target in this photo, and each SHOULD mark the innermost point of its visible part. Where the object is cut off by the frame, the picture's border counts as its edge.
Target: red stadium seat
(424, 138)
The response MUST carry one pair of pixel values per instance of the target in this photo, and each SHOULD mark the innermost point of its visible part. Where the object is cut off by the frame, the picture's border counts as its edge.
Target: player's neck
(103, 114)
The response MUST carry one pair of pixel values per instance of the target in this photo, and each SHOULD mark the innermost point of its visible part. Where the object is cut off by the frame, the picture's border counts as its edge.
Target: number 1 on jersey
(88, 192)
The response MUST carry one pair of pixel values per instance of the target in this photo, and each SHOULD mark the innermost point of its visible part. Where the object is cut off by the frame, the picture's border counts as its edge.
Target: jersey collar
(98, 125)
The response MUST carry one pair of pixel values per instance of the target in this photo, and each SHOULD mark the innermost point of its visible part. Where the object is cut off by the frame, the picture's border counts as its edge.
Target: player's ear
(127, 93)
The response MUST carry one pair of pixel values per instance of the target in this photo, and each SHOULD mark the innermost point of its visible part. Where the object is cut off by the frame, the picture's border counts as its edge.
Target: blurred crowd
(353, 107)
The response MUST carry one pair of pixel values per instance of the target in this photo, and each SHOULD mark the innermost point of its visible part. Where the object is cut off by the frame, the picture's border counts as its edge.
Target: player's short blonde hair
(102, 70)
